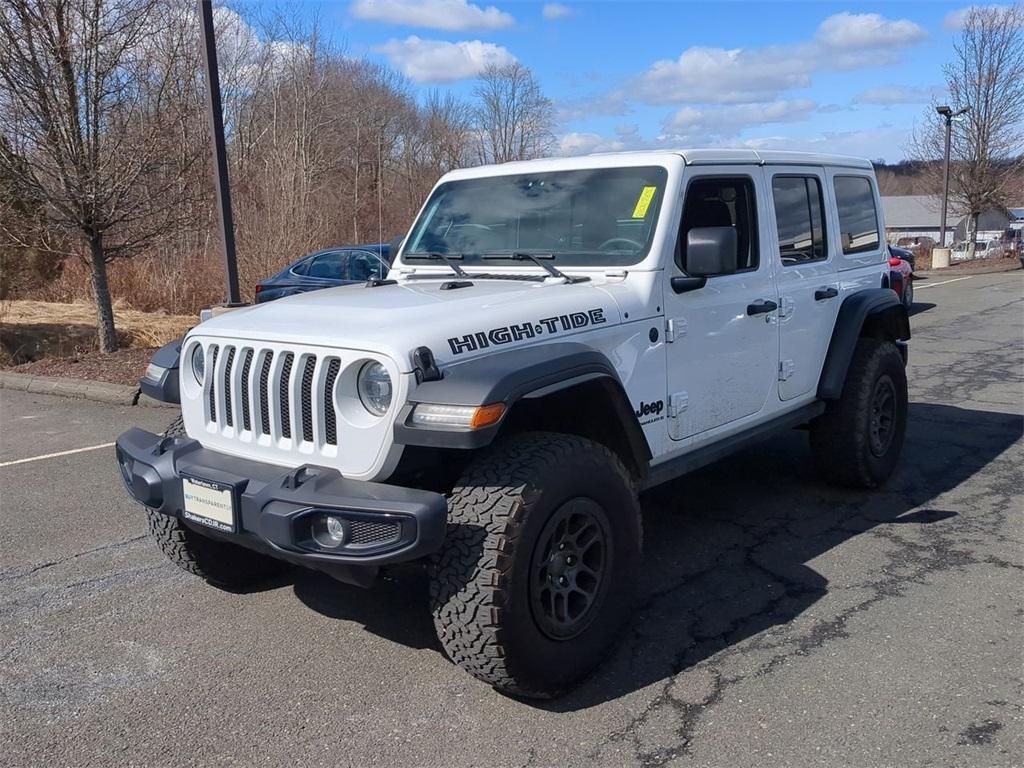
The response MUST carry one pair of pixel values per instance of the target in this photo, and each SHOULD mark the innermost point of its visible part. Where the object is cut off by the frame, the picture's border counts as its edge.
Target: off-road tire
(219, 562)
(841, 438)
(482, 585)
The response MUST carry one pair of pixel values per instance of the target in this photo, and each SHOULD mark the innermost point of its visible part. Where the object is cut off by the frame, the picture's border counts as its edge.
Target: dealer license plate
(209, 503)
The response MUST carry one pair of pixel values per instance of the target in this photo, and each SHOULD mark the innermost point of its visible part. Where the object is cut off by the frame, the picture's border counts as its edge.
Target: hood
(457, 324)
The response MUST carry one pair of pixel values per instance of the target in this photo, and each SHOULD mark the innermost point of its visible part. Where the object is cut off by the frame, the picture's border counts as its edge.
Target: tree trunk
(101, 290)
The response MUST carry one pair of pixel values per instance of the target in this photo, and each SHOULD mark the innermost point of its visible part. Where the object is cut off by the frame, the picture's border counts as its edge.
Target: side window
(302, 267)
(328, 265)
(858, 219)
(365, 264)
(799, 219)
(721, 202)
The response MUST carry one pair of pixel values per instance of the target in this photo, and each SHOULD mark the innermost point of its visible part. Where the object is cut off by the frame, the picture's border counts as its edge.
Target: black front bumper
(277, 509)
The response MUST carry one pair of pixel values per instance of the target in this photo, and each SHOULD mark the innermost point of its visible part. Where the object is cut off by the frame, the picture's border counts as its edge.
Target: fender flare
(882, 312)
(509, 377)
(165, 363)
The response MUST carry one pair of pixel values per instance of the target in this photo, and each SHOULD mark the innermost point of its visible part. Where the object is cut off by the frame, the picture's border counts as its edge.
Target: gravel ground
(779, 621)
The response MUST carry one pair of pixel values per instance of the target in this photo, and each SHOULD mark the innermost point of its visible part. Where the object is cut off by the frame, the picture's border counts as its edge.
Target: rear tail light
(893, 262)
(259, 289)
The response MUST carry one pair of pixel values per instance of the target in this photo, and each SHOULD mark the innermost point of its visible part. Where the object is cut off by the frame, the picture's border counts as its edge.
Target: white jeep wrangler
(554, 337)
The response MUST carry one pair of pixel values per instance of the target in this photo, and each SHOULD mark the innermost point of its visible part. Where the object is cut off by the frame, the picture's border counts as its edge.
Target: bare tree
(987, 144)
(83, 97)
(514, 118)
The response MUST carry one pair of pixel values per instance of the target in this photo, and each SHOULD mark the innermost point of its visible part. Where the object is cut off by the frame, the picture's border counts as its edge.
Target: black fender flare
(165, 363)
(873, 311)
(514, 375)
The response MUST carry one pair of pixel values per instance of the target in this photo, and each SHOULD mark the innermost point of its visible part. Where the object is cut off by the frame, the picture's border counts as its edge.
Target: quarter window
(858, 219)
(799, 219)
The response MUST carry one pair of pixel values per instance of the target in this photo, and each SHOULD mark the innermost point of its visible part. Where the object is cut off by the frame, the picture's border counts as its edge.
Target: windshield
(592, 217)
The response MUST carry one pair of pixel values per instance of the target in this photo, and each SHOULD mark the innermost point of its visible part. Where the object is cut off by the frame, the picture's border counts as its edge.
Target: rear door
(809, 295)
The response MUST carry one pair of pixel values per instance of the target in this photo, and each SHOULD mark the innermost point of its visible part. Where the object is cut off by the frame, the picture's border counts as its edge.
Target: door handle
(825, 293)
(761, 306)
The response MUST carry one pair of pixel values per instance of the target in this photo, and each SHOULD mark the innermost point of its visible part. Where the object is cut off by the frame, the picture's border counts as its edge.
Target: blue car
(326, 269)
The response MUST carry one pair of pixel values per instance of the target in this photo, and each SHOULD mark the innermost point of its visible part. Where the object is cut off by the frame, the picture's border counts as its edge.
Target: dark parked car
(902, 253)
(326, 269)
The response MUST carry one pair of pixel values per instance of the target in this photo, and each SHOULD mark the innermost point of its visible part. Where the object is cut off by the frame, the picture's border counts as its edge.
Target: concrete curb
(100, 391)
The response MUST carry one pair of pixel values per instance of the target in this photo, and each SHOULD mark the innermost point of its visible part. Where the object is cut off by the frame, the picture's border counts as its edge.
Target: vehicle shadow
(921, 306)
(727, 549)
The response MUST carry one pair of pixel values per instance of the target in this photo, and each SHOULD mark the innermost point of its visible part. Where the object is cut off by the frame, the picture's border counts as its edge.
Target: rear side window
(858, 219)
(332, 265)
(799, 219)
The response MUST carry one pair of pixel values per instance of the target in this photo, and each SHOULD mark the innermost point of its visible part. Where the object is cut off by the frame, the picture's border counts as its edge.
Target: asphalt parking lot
(779, 621)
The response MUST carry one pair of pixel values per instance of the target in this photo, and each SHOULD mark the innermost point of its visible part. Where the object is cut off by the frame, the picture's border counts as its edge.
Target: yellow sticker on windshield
(644, 202)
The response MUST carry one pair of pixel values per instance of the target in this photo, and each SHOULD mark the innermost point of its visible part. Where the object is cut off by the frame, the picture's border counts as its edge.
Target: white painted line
(944, 282)
(55, 455)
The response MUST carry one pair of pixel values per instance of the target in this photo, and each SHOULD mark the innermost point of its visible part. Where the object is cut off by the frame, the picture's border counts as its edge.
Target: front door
(723, 338)
(808, 286)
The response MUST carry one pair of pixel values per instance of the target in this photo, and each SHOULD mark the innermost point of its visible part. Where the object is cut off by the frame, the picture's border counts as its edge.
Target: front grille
(365, 532)
(285, 400)
(254, 390)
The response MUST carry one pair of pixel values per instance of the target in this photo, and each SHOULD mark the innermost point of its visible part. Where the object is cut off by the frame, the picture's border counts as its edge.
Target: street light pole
(948, 114)
(220, 158)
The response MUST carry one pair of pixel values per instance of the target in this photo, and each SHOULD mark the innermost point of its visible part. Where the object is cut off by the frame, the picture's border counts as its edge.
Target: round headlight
(198, 363)
(374, 384)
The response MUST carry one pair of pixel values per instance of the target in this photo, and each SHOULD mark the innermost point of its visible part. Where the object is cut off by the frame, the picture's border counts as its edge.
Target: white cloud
(703, 125)
(585, 143)
(450, 15)
(721, 76)
(887, 95)
(555, 11)
(746, 75)
(885, 141)
(866, 31)
(437, 61)
(955, 20)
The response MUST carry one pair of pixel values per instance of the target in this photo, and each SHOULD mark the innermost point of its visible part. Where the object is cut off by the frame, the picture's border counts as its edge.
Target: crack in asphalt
(14, 574)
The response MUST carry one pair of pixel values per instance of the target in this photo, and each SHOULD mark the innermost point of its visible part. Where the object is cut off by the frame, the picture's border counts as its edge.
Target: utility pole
(948, 114)
(220, 159)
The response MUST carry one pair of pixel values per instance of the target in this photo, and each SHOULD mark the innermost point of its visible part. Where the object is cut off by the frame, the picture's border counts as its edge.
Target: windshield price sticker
(644, 202)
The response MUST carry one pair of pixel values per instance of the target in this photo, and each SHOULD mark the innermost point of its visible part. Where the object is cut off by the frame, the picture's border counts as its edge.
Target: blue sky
(841, 77)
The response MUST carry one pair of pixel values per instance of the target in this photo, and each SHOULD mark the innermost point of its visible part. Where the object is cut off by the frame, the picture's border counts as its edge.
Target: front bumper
(276, 507)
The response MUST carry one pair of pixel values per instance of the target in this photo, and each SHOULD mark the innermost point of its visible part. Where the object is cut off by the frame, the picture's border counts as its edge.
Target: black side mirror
(711, 251)
(684, 284)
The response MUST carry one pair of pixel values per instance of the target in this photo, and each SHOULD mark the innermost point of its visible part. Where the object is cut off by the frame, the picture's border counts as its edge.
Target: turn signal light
(456, 416)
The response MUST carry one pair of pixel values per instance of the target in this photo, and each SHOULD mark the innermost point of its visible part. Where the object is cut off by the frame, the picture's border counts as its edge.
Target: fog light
(330, 531)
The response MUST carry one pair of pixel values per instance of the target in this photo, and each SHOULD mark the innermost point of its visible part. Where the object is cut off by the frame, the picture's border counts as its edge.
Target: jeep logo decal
(509, 333)
(648, 409)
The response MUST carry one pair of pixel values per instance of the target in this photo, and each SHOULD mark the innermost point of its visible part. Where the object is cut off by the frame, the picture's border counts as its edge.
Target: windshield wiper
(445, 257)
(536, 258)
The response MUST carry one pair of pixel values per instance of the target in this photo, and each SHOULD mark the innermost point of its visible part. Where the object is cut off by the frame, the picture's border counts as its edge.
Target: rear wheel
(533, 583)
(857, 441)
(219, 562)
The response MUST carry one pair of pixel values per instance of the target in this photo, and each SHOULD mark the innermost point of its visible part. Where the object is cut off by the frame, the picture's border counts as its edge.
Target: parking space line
(944, 282)
(55, 455)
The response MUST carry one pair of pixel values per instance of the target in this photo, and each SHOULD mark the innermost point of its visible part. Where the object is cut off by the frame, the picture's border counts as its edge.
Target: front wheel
(543, 546)
(857, 441)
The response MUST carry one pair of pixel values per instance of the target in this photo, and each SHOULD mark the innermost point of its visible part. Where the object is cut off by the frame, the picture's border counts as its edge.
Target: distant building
(920, 216)
(916, 216)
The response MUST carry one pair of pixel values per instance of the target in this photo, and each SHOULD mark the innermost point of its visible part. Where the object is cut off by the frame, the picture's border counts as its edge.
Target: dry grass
(135, 328)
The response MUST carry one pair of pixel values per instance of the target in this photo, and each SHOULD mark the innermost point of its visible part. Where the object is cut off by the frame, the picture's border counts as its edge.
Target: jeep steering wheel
(605, 245)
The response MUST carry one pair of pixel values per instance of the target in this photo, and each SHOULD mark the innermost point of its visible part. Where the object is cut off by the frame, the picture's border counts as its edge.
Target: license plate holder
(210, 503)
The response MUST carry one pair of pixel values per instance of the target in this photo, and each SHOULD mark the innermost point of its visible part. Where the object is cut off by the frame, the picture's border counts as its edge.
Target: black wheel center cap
(558, 566)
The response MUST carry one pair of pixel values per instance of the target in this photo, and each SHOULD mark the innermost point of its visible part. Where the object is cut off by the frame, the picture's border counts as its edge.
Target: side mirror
(711, 251)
